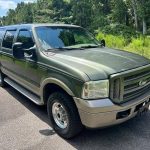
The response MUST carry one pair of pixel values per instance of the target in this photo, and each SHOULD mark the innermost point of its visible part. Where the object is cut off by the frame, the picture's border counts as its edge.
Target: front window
(25, 38)
(64, 37)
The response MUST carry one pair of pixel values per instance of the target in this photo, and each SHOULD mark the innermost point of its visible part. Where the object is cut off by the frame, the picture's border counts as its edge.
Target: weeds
(140, 45)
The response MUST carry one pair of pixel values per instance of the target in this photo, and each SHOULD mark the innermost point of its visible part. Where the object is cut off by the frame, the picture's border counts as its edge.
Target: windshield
(65, 37)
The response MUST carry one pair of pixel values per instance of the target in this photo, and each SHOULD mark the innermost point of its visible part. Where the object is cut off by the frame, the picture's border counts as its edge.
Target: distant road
(24, 126)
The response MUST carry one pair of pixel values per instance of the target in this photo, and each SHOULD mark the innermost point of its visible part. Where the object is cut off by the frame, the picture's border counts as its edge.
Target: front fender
(56, 82)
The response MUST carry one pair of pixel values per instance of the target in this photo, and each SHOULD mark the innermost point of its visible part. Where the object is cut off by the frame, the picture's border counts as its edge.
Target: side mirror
(103, 43)
(17, 50)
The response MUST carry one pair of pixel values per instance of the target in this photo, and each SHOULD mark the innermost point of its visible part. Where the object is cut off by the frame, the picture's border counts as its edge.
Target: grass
(140, 45)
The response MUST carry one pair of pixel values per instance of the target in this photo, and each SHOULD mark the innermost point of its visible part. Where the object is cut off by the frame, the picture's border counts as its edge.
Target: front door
(26, 69)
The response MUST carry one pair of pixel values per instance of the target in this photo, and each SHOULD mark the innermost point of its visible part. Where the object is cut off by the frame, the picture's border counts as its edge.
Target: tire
(2, 82)
(72, 125)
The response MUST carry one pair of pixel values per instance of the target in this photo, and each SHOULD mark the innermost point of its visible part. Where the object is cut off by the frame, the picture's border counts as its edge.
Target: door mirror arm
(30, 53)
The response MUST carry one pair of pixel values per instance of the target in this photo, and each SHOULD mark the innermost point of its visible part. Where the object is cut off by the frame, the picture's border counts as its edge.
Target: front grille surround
(125, 86)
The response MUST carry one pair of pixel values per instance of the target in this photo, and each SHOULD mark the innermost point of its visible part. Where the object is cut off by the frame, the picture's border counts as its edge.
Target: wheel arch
(51, 85)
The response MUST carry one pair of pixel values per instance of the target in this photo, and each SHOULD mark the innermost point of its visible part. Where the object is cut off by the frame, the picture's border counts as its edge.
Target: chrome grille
(132, 84)
(136, 85)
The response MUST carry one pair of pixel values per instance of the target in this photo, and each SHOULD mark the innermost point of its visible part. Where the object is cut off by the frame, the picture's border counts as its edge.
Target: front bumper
(102, 112)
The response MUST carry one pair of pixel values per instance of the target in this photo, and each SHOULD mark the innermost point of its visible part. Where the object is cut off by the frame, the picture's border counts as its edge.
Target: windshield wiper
(90, 46)
(72, 48)
(61, 49)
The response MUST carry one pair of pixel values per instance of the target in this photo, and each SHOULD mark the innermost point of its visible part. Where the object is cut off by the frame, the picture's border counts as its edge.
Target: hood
(99, 63)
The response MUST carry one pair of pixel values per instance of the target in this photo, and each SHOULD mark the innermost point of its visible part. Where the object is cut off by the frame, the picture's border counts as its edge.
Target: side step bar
(23, 91)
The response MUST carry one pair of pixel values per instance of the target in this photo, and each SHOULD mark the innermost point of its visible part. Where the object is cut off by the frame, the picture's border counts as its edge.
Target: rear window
(8, 39)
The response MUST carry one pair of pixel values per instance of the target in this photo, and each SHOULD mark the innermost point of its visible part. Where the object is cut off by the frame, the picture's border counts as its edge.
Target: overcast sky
(10, 4)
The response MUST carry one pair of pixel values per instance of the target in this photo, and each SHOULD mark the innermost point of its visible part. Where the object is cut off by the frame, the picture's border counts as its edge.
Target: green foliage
(119, 11)
(140, 45)
(81, 12)
(148, 31)
(22, 14)
(119, 29)
(42, 11)
(111, 16)
(112, 41)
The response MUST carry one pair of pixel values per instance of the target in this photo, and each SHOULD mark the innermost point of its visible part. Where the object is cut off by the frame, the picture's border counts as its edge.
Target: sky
(5, 5)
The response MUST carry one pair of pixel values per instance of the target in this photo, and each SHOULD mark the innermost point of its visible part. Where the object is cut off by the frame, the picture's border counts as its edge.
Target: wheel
(63, 115)
(2, 82)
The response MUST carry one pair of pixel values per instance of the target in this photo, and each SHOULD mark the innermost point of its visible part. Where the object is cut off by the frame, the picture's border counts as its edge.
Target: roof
(38, 24)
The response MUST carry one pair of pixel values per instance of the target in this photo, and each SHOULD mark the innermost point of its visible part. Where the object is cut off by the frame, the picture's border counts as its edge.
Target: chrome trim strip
(23, 91)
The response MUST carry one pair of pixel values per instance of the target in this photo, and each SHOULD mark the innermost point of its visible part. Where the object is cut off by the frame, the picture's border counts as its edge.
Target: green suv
(82, 82)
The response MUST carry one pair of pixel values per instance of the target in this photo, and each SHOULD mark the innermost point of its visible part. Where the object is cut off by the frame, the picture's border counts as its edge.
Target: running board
(23, 91)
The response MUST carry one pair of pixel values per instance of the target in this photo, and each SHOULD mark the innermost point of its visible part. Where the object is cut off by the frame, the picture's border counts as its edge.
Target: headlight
(95, 89)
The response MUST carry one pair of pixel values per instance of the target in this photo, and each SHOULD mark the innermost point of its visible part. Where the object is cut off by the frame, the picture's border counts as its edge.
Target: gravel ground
(24, 126)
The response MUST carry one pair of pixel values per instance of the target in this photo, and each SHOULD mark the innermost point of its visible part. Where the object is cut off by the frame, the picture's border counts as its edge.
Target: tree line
(110, 16)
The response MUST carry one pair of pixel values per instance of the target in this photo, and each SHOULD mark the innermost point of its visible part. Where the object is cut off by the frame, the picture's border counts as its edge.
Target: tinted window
(60, 37)
(25, 38)
(8, 39)
(2, 31)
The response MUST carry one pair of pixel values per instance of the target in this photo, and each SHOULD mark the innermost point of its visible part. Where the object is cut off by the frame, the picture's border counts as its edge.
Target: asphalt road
(24, 126)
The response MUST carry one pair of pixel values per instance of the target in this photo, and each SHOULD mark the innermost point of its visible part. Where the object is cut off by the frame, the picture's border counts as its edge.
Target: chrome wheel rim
(60, 115)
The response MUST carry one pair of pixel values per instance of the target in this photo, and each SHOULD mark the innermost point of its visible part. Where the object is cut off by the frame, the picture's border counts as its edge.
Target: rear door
(2, 32)
(7, 62)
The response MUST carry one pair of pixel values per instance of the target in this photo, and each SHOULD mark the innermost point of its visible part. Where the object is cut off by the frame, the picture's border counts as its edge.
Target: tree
(82, 12)
(24, 13)
(144, 12)
(62, 11)
(119, 12)
(10, 18)
(43, 11)
(134, 6)
(91, 14)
